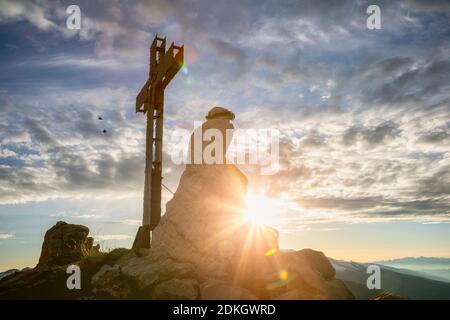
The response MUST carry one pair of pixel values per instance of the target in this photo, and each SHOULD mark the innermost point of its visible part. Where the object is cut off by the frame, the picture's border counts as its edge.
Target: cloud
(39, 133)
(438, 184)
(34, 13)
(227, 50)
(131, 222)
(108, 237)
(232, 54)
(371, 136)
(417, 84)
(434, 137)
(435, 5)
(343, 204)
(4, 236)
(67, 154)
(76, 62)
(88, 216)
(313, 141)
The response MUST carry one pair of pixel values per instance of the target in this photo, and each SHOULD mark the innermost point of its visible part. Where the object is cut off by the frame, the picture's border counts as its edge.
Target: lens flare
(184, 70)
(262, 209)
(284, 275)
(271, 252)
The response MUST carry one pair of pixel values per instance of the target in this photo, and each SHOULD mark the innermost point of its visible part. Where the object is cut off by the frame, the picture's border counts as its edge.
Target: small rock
(176, 289)
(109, 282)
(146, 272)
(219, 290)
(389, 296)
(143, 274)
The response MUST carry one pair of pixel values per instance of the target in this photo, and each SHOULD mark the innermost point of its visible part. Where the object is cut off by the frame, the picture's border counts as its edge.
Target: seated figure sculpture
(210, 141)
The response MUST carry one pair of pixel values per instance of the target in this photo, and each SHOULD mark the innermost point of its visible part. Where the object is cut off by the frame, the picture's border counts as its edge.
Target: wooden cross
(164, 65)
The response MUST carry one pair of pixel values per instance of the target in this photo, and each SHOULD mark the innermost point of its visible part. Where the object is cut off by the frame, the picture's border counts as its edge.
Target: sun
(262, 209)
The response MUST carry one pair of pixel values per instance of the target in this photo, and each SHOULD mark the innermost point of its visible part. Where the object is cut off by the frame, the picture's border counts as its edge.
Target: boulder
(308, 275)
(65, 243)
(202, 221)
(145, 272)
(176, 289)
(109, 282)
(219, 290)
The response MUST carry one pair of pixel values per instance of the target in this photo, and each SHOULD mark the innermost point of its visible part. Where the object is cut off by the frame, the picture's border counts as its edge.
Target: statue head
(220, 113)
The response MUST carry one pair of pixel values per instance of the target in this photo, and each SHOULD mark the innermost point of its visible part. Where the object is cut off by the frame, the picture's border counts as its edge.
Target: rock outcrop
(203, 221)
(65, 243)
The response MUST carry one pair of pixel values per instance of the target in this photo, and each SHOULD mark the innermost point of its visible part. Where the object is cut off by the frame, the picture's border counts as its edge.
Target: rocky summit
(203, 248)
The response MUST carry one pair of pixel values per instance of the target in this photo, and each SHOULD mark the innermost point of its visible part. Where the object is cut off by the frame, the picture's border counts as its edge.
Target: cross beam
(164, 65)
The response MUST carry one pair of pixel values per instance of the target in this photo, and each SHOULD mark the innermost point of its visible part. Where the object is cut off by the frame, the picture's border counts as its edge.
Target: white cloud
(14, 10)
(86, 63)
(131, 222)
(106, 237)
(4, 236)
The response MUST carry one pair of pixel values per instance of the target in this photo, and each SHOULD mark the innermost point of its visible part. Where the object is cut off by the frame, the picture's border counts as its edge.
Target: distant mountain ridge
(429, 267)
(406, 283)
(417, 261)
(7, 273)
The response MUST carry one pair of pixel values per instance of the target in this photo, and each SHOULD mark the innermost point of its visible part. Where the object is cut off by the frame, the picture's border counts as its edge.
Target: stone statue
(210, 141)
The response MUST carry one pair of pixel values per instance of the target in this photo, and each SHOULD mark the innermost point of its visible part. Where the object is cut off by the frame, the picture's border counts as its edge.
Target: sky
(363, 116)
